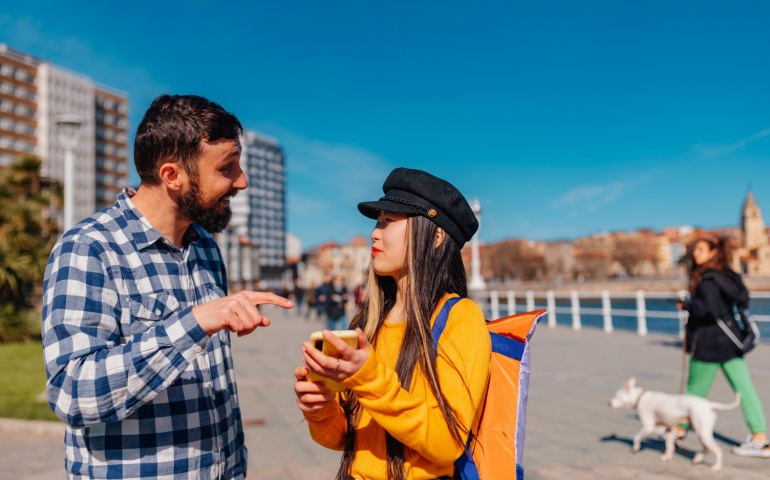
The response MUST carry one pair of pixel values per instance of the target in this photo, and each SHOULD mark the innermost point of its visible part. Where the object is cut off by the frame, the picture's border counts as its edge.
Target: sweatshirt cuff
(322, 414)
(367, 373)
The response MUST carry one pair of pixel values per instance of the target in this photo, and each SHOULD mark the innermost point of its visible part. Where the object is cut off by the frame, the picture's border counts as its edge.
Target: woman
(714, 290)
(409, 406)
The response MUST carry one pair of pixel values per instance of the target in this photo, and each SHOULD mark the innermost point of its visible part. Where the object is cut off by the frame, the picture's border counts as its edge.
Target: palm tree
(26, 238)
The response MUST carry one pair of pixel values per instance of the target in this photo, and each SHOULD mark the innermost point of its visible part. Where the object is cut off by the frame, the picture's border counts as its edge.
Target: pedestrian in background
(136, 317)
(715, 292)
(359, 295)
(409, 406)
(322, 294)
(311, 311)
(337, 302)
(298, 296)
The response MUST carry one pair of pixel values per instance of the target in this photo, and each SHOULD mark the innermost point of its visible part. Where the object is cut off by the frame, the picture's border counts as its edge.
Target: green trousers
(701, 378)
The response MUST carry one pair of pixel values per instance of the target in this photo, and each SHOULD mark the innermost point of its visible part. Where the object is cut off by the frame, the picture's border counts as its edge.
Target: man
(136, 316)
(322, 294)
(298, 293)
(336, 304)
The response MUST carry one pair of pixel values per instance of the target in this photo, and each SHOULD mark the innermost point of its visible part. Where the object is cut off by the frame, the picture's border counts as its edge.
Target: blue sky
(562, 118)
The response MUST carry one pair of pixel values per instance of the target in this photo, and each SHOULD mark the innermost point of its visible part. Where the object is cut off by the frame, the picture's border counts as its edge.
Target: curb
(36, 428)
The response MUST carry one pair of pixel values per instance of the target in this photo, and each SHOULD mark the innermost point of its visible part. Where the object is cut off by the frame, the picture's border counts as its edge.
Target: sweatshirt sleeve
(328, 426)
(416, 420)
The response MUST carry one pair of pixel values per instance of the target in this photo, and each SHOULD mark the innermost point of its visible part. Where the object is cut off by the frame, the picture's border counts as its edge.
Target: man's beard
(210, 218)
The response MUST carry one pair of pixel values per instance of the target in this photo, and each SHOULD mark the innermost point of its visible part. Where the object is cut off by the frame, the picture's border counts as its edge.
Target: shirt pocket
(147, 310)
(212, 292)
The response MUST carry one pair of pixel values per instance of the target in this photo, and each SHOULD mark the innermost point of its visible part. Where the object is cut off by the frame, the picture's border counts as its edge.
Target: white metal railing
(491, 301)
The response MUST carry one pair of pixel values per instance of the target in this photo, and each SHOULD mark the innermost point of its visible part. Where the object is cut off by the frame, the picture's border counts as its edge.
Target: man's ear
(439, 238)
(171, 175)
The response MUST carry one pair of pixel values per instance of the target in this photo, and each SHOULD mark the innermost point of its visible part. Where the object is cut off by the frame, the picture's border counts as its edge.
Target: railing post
(550, 299)
(511, 303)
(530, 300)
(494, 304)
(683, 315)
(575, 301)
(607, 311)
(641, 313)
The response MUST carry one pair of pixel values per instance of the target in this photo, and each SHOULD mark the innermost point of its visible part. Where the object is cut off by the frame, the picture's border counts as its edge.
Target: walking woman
(714, 289)
(408, 407)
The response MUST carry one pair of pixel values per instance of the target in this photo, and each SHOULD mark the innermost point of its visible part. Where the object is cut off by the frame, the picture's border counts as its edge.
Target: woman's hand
(310, 396)
(337, 369)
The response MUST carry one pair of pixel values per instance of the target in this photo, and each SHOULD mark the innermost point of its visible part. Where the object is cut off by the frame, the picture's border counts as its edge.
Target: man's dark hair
(172, 130)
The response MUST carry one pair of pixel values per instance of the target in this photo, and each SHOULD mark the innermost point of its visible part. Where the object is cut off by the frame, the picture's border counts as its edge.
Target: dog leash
(683, 373)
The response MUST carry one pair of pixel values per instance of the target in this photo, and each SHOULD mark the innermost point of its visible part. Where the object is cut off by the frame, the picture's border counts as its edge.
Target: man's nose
(241, 183)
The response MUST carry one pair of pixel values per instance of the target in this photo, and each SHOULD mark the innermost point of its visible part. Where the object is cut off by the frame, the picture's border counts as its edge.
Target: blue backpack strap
(440, 324)
(464, 465)
(509, 347)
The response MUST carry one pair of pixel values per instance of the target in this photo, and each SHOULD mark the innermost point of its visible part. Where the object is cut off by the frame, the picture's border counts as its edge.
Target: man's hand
(237, 313)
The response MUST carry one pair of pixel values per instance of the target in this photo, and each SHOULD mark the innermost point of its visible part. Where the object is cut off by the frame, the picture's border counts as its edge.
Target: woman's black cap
(415, 192)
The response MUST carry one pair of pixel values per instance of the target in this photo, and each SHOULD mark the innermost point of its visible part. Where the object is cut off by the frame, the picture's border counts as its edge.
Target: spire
(749, 202)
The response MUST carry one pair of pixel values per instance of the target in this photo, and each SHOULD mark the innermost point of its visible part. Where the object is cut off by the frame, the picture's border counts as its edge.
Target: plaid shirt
(145, 393)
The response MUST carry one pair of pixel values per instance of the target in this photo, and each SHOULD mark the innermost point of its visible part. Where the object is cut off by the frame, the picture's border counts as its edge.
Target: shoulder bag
(747, 337)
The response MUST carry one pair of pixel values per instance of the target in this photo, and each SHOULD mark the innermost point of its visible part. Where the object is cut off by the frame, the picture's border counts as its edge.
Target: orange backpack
(496, 446)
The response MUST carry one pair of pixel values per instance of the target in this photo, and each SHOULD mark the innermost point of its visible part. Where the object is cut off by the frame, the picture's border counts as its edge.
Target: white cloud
(591, 197)
(720, 150)
(325, 176)
(306, 205)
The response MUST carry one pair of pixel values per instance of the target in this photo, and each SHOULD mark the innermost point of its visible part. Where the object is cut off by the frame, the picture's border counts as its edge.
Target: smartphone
(316, 339)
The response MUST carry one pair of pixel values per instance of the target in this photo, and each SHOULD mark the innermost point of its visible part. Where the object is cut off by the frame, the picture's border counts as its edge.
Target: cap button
(432, 213)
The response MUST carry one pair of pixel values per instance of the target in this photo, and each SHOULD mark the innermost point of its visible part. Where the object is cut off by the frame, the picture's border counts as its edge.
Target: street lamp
(477, 281)
(69, 131)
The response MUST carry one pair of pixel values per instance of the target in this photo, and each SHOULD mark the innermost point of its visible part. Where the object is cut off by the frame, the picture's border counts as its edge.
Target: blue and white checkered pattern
(145, 393)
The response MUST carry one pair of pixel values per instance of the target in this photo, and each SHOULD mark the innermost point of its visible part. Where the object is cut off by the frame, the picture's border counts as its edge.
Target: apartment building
(33, 95)
(18, 105)
(255, 240)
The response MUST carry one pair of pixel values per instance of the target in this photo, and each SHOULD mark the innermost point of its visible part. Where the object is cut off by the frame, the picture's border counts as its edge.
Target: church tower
(752, 225)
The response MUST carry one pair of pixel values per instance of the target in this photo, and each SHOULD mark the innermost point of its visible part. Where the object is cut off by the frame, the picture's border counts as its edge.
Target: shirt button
(198, 349)
(157, 311)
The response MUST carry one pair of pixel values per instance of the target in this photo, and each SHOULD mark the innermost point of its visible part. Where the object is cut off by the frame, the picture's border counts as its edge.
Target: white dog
(658, 408)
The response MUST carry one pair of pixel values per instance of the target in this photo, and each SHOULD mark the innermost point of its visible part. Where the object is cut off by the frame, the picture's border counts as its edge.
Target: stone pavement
(571, 431)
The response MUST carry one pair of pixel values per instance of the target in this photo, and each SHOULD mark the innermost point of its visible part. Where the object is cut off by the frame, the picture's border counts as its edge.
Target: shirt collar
(141, 230)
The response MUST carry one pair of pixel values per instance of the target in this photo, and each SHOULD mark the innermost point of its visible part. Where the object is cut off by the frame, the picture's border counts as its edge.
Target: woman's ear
(439, 238)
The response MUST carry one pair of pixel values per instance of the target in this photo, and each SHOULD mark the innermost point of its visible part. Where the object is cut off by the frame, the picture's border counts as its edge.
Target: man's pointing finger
(268, 298)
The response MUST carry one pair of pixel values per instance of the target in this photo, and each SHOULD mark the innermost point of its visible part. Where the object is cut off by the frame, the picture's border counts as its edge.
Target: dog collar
(639, 398)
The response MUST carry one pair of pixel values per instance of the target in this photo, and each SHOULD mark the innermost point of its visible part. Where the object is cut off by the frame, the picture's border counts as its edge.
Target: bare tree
(629, 252)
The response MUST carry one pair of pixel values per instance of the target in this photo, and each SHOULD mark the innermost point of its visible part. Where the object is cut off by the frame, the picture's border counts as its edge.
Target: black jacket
(717, 293)
(335, 304)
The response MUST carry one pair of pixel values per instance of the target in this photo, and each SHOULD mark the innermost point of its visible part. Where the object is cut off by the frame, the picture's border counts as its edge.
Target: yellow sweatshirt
(413, 417)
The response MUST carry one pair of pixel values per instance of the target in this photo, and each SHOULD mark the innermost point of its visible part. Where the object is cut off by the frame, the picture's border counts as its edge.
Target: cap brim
(372, 209)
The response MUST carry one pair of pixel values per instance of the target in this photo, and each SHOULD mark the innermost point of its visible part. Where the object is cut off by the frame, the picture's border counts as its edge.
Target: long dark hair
(431, 272)
(721, 260)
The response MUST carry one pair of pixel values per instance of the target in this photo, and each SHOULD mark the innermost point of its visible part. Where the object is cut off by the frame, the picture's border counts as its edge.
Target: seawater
(759, 306)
